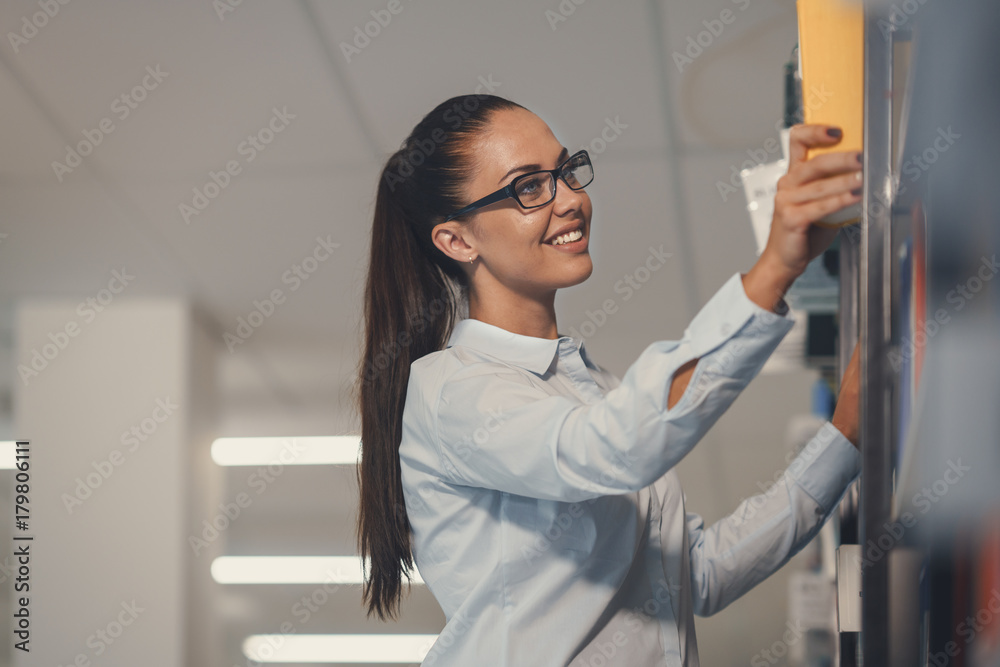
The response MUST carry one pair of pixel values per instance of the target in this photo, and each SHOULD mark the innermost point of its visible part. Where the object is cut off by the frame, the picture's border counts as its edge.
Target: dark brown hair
(414, 294)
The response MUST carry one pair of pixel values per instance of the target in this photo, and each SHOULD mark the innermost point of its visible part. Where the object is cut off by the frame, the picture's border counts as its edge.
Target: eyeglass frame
(508, 190)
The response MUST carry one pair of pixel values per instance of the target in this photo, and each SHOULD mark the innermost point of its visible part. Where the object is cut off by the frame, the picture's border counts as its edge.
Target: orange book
(831, 52)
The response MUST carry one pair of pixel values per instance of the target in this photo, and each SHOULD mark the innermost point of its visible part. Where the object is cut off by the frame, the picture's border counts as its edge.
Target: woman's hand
(845, 415)
(810, 190)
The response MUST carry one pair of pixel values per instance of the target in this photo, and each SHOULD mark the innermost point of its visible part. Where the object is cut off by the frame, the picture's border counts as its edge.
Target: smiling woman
(535, 490)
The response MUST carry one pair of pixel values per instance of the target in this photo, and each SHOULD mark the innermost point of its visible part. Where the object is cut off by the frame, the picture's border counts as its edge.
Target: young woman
(539, 489)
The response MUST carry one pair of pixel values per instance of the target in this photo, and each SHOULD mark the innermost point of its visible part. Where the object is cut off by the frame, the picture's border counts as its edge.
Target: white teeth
(568, 237)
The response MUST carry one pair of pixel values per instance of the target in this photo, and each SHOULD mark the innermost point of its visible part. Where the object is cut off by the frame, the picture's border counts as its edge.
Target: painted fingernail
(861, 157)
(858, 175)
(834, 131)
(856, 192)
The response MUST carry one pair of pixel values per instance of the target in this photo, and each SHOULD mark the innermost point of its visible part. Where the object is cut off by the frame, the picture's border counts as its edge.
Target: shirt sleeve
(495, 428)
(767, 529)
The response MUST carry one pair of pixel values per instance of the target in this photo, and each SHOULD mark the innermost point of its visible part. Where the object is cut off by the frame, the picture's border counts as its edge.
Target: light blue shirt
(547, 515)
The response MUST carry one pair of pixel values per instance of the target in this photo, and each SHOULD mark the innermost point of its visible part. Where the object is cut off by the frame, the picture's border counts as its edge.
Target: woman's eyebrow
(563, 154)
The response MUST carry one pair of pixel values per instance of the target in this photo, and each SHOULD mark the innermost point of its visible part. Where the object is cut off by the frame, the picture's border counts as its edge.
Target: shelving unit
(930, 360)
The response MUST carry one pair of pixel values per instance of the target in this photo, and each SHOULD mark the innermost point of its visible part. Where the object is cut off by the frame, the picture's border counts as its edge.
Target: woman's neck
(517, 313)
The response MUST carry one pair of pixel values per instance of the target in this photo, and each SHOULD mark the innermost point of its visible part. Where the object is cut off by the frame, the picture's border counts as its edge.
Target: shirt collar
(528, 352)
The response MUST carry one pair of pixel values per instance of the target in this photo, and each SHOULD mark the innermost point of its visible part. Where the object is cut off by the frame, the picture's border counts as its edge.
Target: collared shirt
(547, 516)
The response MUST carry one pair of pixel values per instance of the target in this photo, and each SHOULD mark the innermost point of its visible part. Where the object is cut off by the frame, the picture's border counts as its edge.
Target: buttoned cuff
(728, 311)
(826, 466)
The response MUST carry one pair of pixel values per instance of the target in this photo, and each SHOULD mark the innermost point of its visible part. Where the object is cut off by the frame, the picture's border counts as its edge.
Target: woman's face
(513, 244)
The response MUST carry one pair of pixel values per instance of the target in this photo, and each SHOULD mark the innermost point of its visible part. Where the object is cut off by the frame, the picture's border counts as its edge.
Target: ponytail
(413, 296)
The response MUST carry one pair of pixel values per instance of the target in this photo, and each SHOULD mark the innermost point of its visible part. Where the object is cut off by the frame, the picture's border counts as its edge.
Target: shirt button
(819, 511)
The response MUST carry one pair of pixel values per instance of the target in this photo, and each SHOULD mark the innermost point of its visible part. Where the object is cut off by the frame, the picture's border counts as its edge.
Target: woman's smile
(573, 242)
(572, 239)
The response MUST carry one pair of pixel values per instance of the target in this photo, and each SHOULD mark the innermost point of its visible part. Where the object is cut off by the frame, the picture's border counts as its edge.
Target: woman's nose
(566, 197)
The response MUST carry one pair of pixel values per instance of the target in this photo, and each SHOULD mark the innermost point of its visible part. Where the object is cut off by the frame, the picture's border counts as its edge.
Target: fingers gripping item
(831, 53)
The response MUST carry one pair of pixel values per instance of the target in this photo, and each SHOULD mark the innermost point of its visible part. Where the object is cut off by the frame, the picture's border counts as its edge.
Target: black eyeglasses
(538, 188)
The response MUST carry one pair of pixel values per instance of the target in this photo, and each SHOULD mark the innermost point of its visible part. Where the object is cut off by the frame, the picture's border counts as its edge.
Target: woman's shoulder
(455, 376)
(458, 361)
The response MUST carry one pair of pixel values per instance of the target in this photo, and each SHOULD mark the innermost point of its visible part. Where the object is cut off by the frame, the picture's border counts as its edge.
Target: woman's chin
(580, 272)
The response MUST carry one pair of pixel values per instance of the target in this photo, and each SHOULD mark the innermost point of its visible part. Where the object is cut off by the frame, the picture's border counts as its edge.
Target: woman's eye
(528, 187)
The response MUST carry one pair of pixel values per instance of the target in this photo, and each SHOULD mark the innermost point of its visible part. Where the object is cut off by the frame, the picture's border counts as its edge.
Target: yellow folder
(831, 50)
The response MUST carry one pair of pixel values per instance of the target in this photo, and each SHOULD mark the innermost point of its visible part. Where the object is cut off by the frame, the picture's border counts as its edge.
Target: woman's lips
(573, 246)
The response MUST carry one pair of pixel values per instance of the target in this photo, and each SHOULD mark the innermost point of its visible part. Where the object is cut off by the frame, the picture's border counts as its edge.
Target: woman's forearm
(766, 285)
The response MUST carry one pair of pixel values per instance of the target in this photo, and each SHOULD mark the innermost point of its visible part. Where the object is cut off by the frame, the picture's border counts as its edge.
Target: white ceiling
(656, 184)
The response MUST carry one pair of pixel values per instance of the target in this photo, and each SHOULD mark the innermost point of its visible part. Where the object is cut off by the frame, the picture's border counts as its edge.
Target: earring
(470, 259)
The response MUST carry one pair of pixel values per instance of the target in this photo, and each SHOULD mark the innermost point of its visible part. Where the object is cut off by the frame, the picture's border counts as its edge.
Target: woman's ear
(450, 238)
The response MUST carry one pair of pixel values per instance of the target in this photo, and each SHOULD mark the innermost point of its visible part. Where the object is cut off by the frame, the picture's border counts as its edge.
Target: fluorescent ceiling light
(309, 450)
(291, 570)
(338, 649)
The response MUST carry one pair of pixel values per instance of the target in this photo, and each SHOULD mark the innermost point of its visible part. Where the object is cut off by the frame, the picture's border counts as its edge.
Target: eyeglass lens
(540, 189)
